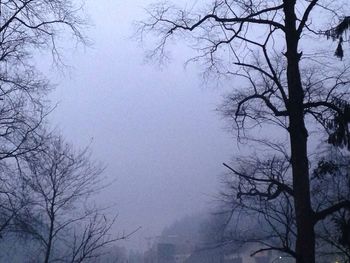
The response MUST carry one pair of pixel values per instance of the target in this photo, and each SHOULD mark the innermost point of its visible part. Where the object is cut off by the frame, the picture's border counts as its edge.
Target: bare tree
(297, 91)
(24, 27)
(257, 214)
(27, 26)
(258, 203)
(91, 241)
(30, 24)
(61, 183)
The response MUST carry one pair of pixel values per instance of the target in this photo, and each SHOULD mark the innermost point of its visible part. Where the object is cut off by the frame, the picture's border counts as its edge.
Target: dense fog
(158, 132)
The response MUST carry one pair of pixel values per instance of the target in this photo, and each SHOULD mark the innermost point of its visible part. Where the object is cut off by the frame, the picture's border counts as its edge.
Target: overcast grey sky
(156, 130)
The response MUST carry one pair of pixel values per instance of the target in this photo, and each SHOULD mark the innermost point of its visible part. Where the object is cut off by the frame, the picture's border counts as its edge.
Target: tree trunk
(50, 237)
(305, 243)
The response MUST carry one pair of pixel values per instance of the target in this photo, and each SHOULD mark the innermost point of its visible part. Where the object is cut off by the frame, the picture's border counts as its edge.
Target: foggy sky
(156, 130)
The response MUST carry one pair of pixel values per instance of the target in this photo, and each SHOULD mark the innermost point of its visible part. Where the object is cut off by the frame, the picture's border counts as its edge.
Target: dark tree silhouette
(260, 213)
(61, 183)
(25, 27)
(296, 92)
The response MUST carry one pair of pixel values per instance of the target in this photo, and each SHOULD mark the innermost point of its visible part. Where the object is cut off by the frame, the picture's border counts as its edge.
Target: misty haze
(183, 131)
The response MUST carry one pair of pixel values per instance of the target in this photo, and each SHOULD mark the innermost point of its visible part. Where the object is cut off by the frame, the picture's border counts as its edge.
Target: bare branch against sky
(157, 131)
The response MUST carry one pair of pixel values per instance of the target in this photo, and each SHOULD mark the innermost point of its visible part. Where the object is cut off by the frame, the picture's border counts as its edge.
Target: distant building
(206, 256)
(174, 250)
(227, 255)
